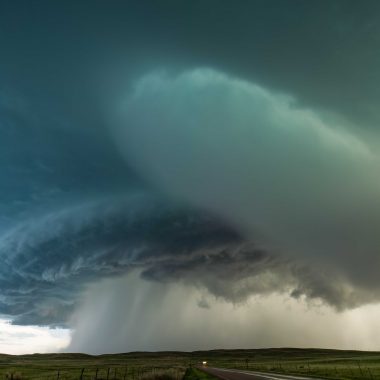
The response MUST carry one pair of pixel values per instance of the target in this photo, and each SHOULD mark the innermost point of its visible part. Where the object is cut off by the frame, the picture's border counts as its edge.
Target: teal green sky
(165, 163)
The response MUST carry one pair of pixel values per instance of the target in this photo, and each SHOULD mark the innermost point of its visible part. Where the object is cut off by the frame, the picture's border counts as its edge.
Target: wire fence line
(172, 367)
(100, 373)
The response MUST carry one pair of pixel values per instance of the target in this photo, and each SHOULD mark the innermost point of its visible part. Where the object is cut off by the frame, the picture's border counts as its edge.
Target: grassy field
(195, 374)
(132, 366)
(332, 364)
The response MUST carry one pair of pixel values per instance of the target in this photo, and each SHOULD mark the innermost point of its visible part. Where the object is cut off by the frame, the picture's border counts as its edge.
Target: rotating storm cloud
(189, 203)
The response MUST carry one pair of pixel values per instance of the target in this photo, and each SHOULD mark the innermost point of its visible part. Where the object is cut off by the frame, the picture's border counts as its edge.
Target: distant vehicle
(204, 363)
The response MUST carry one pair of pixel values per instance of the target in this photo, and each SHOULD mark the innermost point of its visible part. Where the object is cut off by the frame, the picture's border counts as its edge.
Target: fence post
(81, 374)
(108, 373)
(96, 374)
(125, 373)
(360, 368)
(58, 375)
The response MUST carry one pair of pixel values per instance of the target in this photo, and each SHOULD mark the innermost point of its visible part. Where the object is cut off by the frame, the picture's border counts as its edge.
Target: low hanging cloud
(49, 262)
(295, 182)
